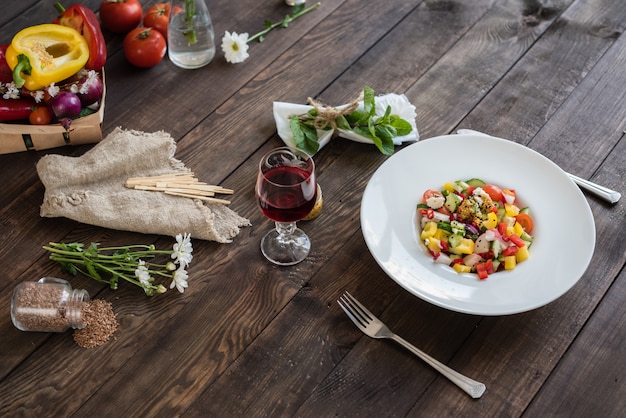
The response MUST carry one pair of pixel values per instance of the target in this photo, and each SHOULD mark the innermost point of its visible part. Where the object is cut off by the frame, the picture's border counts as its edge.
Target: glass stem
(285, 230)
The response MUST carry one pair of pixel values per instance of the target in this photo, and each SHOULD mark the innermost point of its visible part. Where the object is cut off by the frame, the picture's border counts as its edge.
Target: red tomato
(120, 16)
(494, 192)
(157, 16)
(144, 47)
(525, 221)
(40, 116)
(431, 193)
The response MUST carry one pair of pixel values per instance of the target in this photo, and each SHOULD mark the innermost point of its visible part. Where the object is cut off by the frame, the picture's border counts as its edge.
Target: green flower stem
(190, 12)
(119, 263)
(283, 23)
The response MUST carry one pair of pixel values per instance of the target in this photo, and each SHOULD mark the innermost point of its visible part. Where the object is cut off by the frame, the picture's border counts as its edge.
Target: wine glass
(286, 191)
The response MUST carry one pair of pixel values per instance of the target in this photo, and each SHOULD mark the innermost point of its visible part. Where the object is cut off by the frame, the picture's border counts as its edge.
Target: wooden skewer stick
(176, 189)
(179, 184)
(205, 198)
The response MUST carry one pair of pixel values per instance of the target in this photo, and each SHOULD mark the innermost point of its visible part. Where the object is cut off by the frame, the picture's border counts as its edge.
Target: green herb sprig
(380, 130)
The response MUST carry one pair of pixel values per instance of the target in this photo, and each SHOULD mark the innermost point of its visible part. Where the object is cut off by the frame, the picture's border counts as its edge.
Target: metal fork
(375, 328)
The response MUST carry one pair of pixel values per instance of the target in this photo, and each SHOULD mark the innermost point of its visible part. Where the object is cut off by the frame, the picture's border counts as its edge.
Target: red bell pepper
(86, 23)
(517, 240)
(6, 74)
(15, 109)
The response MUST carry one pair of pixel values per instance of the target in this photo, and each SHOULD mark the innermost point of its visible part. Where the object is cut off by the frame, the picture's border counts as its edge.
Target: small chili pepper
(15, 109)
(6, 74)
(86, 23)
(45, 54)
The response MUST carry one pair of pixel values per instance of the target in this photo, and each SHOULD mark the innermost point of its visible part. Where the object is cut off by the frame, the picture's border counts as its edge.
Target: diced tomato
(431, 193)
(526, 221)
(494, 192)
(445, 247)
(488, 255)
(444, 210)
(481, 270)
(517, 240)
(489, 266)
(502, 229)
(470, 190)
(511, 250)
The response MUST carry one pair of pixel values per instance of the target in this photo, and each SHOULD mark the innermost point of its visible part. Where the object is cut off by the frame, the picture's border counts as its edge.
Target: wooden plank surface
(251, 339)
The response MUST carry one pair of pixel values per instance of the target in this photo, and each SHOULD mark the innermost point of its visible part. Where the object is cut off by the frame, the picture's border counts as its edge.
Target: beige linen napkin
(90, 189)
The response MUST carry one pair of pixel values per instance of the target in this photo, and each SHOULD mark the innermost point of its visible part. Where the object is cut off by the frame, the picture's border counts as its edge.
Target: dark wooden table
(251, 339)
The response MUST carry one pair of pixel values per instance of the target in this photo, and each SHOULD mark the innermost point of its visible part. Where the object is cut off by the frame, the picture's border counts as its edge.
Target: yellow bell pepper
(491, 222)
(429, 230)
(45, 54)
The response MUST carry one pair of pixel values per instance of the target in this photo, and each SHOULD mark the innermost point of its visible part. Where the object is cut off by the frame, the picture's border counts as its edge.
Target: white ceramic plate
(564, 231)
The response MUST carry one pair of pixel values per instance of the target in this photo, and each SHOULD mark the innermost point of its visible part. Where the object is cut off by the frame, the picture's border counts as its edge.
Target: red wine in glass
(286, 191)
(286, 204)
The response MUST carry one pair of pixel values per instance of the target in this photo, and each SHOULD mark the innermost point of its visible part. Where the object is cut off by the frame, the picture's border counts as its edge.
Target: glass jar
(190, 36)
(49, 305)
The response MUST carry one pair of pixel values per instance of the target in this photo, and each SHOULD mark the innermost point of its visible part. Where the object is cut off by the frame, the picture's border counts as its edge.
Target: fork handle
(471, 387)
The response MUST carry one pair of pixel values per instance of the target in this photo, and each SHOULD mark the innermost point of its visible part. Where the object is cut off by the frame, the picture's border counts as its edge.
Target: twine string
(328, 115)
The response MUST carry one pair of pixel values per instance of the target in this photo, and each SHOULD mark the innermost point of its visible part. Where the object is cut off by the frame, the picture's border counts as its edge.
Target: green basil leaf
(369, 102)
(402, 126)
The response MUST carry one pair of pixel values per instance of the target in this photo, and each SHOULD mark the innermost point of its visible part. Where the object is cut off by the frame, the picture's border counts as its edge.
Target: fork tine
(348, 310)
(362, 310)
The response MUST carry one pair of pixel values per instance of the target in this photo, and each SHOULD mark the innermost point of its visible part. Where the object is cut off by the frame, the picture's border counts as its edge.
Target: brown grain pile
(100, 324)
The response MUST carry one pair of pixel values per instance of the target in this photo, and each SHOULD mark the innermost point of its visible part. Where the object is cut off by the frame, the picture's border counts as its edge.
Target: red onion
(65, 104)
(91, 89)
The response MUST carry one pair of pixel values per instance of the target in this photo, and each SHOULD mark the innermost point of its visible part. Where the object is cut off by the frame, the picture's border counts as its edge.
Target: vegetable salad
(475, 227)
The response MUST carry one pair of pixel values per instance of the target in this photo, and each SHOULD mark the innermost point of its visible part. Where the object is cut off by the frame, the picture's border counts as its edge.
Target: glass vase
(190, 36)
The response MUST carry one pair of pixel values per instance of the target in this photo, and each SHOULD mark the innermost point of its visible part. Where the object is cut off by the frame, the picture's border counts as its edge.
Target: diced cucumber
(526, 237)
(460, 185)
(458, 228)
(525, 210)
(475, 182)
(445, 226)
(452, 202)
(454, 240)
(501, 213)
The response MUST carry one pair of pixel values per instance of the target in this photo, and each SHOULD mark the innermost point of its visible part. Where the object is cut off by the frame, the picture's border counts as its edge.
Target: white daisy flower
(142, 273)
(235, 47)
(179, 280)
(182, 250)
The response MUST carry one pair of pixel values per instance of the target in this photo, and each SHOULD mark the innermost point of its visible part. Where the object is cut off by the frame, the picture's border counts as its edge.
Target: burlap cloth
(90, 189)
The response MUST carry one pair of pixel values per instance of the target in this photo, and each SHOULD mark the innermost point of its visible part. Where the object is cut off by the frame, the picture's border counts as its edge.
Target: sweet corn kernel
(510, 262)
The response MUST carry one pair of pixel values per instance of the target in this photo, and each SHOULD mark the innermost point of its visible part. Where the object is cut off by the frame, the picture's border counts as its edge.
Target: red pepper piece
(15, 109)
(511, 250)
(6, 74)
(481, 270)
(86, 23)
(517, 240)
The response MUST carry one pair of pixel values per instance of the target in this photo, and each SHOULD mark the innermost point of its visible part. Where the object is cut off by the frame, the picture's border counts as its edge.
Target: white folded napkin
(399, 103)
